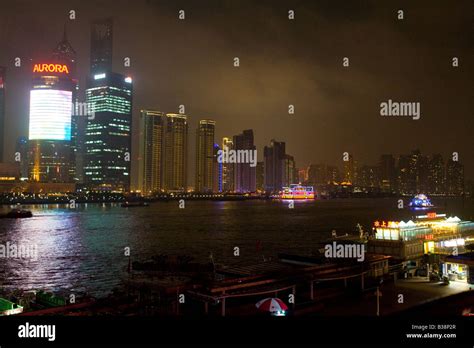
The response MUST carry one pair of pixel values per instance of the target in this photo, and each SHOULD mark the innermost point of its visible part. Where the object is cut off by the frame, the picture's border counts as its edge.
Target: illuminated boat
(420, 201)
(296, 191)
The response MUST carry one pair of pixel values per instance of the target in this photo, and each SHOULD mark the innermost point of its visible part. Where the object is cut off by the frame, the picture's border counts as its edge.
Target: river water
(82, 250)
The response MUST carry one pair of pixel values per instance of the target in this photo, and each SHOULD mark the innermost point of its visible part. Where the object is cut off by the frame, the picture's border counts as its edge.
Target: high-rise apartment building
(101, 46)
(274, 162)
(227, 168)
(217, 171)
(176, 152)
(289, 171)
(244, 173)
(350, 171)
(454, 178)
(205, 156)
(387, 173)
(107, 139)
(2, 112)
(436, 175)
(151, 151)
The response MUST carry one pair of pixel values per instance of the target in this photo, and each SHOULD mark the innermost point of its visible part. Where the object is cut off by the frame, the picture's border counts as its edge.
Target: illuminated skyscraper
(2, 111)
(108, 133)
(302, 175)
(260, 174)
(405, 183)
(318, 175)
(227, 168)
(454, 178)
(22, 149)
(289, 171)
(244, 173)
(217, 171)
(419, 171)
(369, 177)
(436, 175)
(387, 174)
(101, 46)
(51, 141)
(350, 171)
(205, 156)
(274, 164)
(50, 124)
(176, 153)
(413, 173)
(333, 174)
(151, 151)
(65, 53)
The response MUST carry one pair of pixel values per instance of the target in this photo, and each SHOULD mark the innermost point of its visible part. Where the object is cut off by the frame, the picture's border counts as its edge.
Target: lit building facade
(454, 178)
(101, 46)
(176, 152)
(227, 168)
(302, 175)
(151, 151)
(388, 174)
(2, 111)
(332, 174)
(244, 173)
(107, 139)
(217, 171)
(9, 172)
(260, 174)
(205, 156)
(22, 150)
(369, 177)
(274, 164)
(350, 171)
(436, 175)
(413, 173)
(50, 123)
(317, 174)
(289, 174)
(65, 53)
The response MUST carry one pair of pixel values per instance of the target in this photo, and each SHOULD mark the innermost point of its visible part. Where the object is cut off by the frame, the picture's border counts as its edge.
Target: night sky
(282, 62)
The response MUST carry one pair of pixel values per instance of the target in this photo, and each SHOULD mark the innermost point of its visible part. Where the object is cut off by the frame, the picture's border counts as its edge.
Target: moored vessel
(296, 191)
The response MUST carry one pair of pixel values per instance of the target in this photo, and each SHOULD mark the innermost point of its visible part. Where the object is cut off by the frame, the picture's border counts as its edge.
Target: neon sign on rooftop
(51, 68)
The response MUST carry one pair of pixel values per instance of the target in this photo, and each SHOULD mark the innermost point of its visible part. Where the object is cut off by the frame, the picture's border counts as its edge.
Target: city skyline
(263, 161)
(331, 133)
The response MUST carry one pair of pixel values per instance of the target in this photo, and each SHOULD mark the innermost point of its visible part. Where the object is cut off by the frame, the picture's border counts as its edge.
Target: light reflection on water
(82, 249)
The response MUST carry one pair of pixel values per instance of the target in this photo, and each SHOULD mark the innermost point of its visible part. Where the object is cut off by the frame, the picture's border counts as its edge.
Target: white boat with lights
(421, 201)
(296, 191)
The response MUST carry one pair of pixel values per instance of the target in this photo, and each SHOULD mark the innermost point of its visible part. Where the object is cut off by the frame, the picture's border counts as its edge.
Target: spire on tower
(64, 51)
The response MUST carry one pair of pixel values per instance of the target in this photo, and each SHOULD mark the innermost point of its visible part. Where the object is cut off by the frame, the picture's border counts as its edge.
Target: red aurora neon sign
(51, 68)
